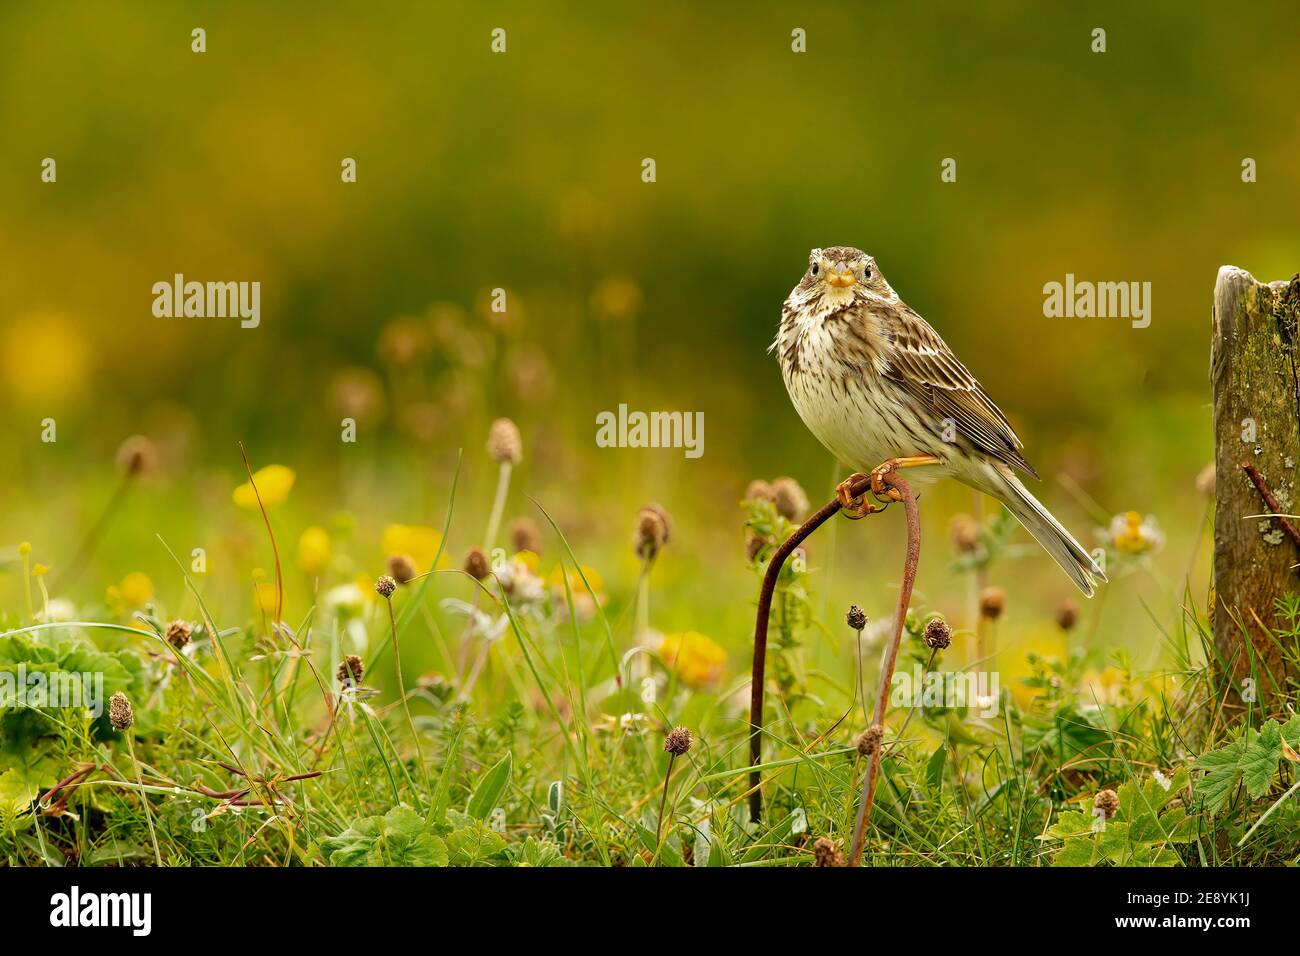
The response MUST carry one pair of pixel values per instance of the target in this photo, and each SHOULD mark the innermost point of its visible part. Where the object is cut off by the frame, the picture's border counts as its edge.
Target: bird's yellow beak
(840, 280)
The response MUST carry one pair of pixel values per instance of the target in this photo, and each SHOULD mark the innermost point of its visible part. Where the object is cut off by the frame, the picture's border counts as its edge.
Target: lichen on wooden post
(1256, 389)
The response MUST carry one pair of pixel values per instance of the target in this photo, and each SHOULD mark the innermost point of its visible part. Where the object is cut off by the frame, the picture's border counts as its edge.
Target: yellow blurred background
(522, 171)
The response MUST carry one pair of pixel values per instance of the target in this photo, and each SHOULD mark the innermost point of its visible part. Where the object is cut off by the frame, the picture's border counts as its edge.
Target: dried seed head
(1107, 801)
(477, 565)
(385, 586)
(856, 617)
(938, 635)
(791, 502)
(826, 853)
(759, 490)
(869, 740)
(965, 532)
(992, 603)
(678, 741)
(178, 634)
(402, 568)
(524, 536)
(504, 443)
(351, 670)
(137, 456)
(754, 544)
(653, 530)
(1067, 614)
(120, 714)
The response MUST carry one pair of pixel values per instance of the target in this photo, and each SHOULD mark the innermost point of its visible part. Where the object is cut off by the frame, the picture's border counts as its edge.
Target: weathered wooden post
(1255, 374)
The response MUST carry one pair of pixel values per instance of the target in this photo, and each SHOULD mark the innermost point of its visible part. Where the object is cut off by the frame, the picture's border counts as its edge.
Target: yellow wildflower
(273, 484)
(136, 589)
(697, 660)
(1132, 533)
(44, 357)
(576, 583)
(266, 595)
(417, 542)
(314, 551)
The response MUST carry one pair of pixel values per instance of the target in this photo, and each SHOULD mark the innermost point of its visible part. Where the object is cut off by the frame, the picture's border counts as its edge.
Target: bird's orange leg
(854, 507)
(880, 489)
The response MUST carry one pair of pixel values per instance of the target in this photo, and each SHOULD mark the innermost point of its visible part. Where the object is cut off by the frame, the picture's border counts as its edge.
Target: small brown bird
(879, 388)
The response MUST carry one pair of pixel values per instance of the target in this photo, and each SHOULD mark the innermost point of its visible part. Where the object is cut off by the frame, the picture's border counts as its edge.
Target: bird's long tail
(1059, 543)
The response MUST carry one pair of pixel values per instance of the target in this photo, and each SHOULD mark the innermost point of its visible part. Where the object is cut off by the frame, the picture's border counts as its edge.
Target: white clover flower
(633, 723)
(60, 610)
(481, 624)
(345, 600)
(1132, 534)
(522, 587)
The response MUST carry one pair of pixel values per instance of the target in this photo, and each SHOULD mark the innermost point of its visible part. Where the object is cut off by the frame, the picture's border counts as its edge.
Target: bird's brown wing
(920, 362)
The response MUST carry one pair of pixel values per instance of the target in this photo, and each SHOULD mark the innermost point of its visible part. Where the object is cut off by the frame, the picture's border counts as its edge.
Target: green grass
(246, 749)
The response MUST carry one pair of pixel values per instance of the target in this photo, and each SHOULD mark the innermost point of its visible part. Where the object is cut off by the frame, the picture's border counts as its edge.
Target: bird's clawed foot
(880, 485)
(855, 507)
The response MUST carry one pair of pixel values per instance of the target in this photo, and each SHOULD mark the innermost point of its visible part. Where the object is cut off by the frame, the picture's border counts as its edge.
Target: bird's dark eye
(814, 268)
(866, 272)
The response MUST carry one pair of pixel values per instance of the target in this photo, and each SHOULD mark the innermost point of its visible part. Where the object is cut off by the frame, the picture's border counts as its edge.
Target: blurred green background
(522, 171)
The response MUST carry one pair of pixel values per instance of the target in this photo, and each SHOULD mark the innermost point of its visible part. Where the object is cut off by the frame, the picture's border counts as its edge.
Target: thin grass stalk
(401, 690)
(498, 506)
(144, 798)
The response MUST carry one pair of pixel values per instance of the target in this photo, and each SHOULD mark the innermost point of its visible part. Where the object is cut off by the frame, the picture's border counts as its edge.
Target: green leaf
(471, 842)
(1291, 731)
(16, 796)
(668, 855)
(1223, 771)
(934, 766)
(1259, 763)
(1075, 853)
(442, 791)
(1070, 824)
(490, 788)
(398, 838)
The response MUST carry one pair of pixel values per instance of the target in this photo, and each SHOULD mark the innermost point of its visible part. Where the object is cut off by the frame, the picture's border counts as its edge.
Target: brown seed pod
(678, 741)
(791, 501)
(477, 565)
(869, 740)
(993, 601)
(178, 633)
(385, 586)
(1107, 801)
(1067, 614)
(826, 853)
(120, 714)
(524, 536)
(857, 618)
(938, 635)
(351, 670)
(653, 531)
(137, 455)
(965, 532)
(401, 568)
(504, 443)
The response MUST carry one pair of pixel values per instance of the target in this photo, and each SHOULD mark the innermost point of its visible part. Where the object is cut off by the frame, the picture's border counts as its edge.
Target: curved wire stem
(774, 566)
